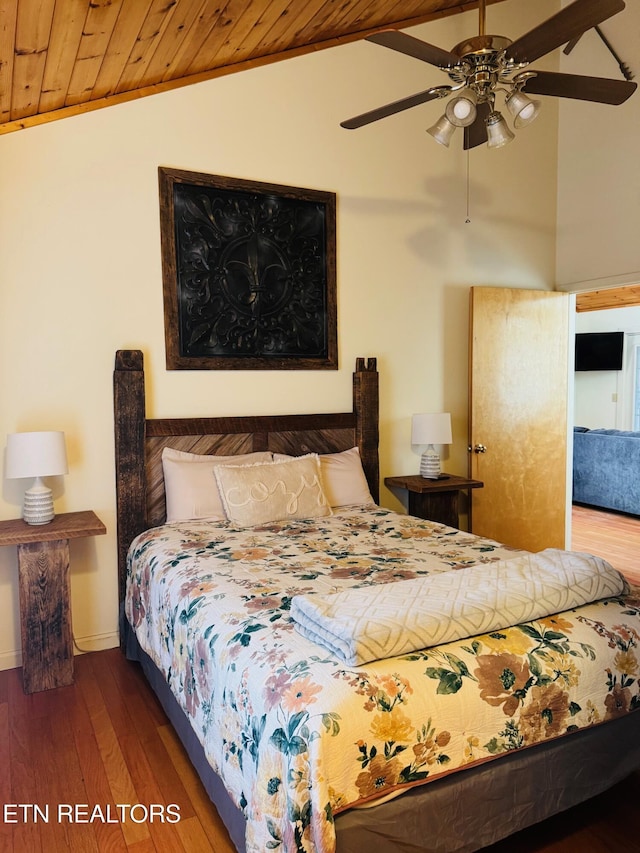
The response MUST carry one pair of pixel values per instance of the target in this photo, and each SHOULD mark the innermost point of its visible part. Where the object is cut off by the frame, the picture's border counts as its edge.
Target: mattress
(296, 736)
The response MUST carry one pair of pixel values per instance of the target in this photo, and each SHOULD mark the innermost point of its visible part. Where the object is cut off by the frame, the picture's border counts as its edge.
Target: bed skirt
(460, 813)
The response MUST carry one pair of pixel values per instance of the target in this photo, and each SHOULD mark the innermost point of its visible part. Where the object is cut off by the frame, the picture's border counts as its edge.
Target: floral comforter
(295, 734)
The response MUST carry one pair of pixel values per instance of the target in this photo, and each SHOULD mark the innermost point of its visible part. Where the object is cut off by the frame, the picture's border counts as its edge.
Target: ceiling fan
(485, 65)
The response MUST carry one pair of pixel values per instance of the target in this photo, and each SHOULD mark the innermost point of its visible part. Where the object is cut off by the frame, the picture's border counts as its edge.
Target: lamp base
(38, 505)
(430, 464)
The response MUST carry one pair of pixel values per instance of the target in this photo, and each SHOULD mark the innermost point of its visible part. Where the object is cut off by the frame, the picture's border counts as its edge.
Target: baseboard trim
(82, 645)
(95, 643)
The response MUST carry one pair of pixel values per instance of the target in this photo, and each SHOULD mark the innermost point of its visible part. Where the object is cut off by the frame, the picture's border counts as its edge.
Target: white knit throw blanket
(375, 622)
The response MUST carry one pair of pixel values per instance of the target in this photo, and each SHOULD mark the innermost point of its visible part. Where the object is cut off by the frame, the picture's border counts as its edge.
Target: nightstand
(436, 500)
(45, 599)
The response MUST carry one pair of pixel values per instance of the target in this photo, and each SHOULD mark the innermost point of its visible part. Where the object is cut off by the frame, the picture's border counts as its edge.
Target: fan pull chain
(468, 219)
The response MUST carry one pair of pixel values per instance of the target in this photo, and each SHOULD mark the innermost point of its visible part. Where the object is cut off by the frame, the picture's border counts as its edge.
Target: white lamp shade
(35, 454)
(431, 428)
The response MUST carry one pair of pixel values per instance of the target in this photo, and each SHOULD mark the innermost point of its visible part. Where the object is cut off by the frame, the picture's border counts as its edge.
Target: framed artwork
(249, 274)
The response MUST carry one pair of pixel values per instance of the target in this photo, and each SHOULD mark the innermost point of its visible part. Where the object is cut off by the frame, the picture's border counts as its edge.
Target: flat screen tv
(599, 350)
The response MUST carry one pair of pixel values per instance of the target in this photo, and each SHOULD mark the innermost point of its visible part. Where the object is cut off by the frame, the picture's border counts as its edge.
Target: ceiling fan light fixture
(461, 111)
(442, 131)
(498, 132)
(522, 108)
(485, 66)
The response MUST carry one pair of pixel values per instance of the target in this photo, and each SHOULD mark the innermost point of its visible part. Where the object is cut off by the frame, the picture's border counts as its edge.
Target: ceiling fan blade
(572, 21)
(599, 89)
(411, 46)
(571, 44)
(391, 109)
(476, 133)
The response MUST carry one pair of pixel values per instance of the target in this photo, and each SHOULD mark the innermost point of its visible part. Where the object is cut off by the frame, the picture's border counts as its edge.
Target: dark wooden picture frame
(249, 274)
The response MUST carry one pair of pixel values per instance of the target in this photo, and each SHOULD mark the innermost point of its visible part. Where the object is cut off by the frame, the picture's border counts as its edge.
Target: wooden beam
(129, 411)
(611, 297)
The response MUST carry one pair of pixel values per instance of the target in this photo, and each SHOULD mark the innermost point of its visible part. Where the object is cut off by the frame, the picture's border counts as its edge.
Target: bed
(444, 746)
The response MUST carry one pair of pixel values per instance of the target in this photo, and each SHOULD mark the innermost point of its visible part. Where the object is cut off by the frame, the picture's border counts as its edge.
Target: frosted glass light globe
(461, 108)
(527, 112)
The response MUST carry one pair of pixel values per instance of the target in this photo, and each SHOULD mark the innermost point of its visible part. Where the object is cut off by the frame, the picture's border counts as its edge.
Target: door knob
(478, 448)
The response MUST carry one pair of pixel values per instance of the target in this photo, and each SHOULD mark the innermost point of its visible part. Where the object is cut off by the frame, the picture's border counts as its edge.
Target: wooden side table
(45, 594)
(436, 500)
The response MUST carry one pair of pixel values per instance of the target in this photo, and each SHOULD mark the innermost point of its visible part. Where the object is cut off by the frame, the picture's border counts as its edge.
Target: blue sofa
(606, 469)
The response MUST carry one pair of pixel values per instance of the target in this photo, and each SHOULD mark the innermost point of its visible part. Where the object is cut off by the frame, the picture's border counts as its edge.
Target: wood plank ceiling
(613, 297)
(63, 57)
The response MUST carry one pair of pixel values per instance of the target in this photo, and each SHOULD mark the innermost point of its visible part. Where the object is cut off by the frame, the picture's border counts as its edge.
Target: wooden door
(518, 415)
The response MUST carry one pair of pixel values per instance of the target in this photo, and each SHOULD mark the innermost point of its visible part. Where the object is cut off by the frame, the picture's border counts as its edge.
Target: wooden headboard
(139, 440)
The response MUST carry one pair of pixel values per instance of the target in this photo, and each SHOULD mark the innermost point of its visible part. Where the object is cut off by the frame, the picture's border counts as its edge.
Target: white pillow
(343, 478)
(190, 488)
(283, 490)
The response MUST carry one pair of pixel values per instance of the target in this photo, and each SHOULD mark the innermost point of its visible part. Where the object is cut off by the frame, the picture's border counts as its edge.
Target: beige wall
(605, 398)
(80, 263)
(598, 172)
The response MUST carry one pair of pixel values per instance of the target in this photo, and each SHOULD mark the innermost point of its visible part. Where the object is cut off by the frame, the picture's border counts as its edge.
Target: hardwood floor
(104, 741)
(611, 535)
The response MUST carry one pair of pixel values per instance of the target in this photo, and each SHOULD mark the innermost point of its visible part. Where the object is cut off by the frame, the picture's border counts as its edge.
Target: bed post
(365, 407)
(129, 414)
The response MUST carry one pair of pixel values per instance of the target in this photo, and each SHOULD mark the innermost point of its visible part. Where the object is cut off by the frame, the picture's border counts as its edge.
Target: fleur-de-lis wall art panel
(249, 274)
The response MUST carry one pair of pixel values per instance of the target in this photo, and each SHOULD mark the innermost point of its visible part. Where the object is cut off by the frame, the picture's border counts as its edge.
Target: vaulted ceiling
(63, 57)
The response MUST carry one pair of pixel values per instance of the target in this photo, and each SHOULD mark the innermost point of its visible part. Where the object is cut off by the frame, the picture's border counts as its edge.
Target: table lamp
(431, 429)
(36, 454)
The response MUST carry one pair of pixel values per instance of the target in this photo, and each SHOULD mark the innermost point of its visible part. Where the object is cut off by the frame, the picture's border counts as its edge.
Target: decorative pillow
(282, 490)
(190, 487)
(342, 477)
